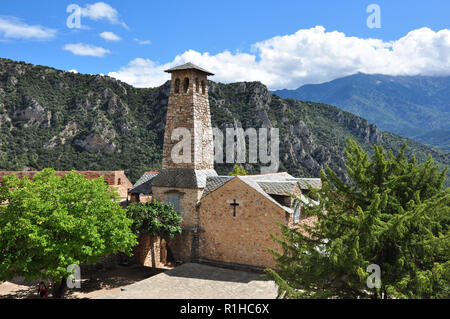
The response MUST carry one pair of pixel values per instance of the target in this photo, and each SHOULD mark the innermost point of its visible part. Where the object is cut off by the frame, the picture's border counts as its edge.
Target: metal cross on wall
(234, 205)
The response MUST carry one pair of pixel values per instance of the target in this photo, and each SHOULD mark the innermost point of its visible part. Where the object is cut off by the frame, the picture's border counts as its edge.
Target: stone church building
(227, 220)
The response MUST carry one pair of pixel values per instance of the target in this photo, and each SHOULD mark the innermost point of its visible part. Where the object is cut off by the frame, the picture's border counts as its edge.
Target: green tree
(238, 171)
(155, 218)
(395, 214)
(52, 222)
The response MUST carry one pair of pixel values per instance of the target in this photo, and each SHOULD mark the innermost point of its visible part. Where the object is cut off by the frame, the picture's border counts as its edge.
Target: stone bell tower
(189, 109)
(188, 153)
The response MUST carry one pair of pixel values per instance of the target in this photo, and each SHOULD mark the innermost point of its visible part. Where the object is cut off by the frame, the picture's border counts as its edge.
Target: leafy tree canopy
(395, 214)
(52, 222)
(155, 218)
(238, 171)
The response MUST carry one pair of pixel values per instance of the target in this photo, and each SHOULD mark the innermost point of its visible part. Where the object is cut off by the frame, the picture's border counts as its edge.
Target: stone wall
(182, 245)
(153, 251)
(140, 198)
(243, 239)
(148, 251)
(190, 110)
(121, 183)
(189, 197)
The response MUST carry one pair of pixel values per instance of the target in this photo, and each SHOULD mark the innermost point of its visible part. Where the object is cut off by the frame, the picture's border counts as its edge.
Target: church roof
(144, 184)
(266, 185)
(306, 183)
(188, 66)
(278, 188)
(254, 182)
(274, 177)
(214, 182)
(273, 184)
(183, 178)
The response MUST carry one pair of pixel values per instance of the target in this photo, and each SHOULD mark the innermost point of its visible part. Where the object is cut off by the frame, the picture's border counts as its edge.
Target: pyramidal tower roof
(188, 66)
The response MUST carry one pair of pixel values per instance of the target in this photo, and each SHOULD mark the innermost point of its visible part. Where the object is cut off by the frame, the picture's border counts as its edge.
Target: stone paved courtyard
(195, 281)
(93, 285)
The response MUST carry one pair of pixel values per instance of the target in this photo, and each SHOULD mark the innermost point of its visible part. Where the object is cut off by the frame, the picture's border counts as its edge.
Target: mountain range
(417, 107)
(63, 120)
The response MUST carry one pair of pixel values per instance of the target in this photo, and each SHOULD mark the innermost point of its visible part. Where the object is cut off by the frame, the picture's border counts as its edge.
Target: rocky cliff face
(51, 118)
(312, 135)
(412, 106)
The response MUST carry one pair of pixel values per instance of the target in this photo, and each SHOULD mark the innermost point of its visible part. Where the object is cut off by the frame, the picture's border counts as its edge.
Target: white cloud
(13, 28)
(110, 36)
(142, 73)
(143, 42)
(102, 11)
(309, 56)
(86, 50)
(73, 71)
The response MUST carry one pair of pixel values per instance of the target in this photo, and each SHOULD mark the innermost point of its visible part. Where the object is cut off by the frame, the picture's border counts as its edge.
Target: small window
(120, 181)
(186, 85)
(177, 86)
(174, 199)
(197, 85)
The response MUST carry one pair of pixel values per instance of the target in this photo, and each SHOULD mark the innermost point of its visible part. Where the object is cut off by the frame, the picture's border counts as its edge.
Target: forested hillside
(51, 118)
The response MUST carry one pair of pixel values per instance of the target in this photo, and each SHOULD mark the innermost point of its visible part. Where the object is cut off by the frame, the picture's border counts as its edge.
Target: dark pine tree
(395, 214)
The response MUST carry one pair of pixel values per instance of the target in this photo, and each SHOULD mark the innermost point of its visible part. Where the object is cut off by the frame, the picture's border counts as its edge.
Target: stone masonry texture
(188, 108)
(243, 239)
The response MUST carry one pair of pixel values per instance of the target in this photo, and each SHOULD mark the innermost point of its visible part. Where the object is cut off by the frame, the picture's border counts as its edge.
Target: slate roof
(278, 188)
(275, 177)
(144, 184)
(266, 185)
(314, 182)
(214, 182)
(254, 181)
(188, 66)
(183, 178)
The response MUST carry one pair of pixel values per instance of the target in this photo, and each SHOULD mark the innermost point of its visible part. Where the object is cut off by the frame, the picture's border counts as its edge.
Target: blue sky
(237, 40)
